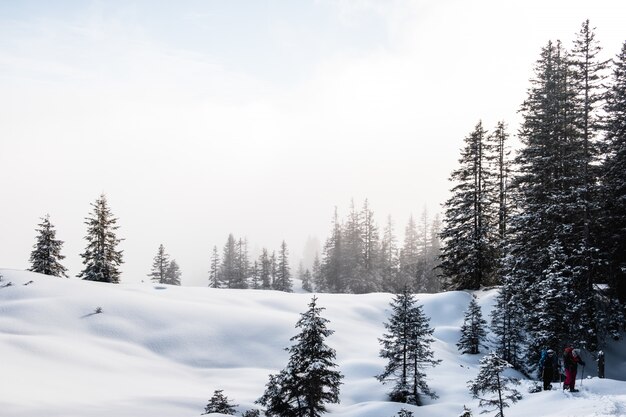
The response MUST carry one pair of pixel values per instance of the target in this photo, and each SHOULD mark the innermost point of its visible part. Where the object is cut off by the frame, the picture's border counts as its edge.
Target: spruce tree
(390, 260)
(473, 331)
(307, 280)
(309, 382)
(406, 346)
(319, 284)
(173, 273)
(491, 381)
(332, 268)
(228, 269)
(46, 255)
(219, 403)
(614, 180)
(283, 280)
(370, 280)
(159, 266)
(265, 270)
(409, 255)
(214, 269)
(352, 250)
(468, 254)
(101, 257)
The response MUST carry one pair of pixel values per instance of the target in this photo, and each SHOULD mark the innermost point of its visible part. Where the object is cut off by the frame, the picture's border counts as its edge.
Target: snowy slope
(161, 351)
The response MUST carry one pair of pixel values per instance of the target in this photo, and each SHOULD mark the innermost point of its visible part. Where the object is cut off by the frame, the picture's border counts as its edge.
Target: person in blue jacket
(548, 368)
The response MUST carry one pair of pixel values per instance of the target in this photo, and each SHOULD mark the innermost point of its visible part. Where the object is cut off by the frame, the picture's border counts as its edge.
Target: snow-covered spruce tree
(309, 381)
(46, 255)
(509, 329)
(219, 403)
(614, 180)
(469, 247)
(242, 264)
(553, 315)
(173, 273)
(214, 269)
(101, 257)
(547, 199)
(406, 346)
(473, 331)
(491, 381)
(159, 266)
(283, 280)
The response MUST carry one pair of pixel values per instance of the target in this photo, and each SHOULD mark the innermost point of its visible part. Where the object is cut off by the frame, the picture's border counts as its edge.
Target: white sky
(202, 118)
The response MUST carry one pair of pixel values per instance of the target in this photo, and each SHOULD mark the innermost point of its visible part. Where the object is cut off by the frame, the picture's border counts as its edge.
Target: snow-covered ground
(161, 351)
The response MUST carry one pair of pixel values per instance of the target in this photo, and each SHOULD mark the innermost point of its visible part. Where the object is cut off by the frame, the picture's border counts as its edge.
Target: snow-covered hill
(160, 351)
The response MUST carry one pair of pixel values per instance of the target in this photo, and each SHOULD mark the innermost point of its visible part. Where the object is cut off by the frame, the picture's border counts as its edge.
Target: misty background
(204, 118)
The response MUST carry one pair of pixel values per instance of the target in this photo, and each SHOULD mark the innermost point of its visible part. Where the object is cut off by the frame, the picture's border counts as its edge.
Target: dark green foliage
(614, 180)
(473, 331)
(406, 347)
(219, 403)
(309, 381)
(468, 258)
(46, 255)
(101, 257)
(173, 273)
(490, 380)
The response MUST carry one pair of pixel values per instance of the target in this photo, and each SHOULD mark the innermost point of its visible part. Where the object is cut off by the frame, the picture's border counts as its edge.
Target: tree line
(549, 224)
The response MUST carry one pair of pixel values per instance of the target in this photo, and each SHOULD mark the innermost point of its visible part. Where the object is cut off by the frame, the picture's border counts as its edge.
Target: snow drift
(157, 350)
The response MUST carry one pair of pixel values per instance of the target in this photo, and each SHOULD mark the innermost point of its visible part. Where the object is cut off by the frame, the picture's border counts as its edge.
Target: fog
(198, 119)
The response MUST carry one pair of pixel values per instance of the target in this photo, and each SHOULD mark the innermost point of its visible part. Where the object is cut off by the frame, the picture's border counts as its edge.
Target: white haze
(199, 119)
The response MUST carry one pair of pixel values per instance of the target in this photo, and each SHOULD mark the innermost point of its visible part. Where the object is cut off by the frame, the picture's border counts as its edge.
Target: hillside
(161, 351)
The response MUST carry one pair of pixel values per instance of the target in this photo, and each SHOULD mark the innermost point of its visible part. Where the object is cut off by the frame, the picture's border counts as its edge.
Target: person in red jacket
(571, 359)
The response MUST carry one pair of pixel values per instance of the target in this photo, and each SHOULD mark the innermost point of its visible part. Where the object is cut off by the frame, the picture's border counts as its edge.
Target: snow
(162, 351)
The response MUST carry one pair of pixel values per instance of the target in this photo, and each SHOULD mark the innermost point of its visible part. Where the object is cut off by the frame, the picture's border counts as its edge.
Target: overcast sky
(203, 118)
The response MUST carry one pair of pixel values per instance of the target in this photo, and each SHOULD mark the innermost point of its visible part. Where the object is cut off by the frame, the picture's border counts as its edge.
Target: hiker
(548, 368)
(571, 359)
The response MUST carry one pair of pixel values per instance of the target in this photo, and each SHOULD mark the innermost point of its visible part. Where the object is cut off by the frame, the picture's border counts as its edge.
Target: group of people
(550, 371)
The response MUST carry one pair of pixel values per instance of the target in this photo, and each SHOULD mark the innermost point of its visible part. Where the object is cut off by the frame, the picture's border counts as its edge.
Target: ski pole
(581, 376)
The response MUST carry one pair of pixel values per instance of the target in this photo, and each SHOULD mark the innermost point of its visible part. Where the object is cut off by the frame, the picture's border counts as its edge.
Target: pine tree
(309, 381)
(101, 258)
(255, 276)
(468, 255)
(219, 403)
(352, 253)
(319, 283)
(173, 273)
(498, 145)
(228, 269)
(473, 331)
(242, 265)
(265, 270)
(283, 280)
(614, 182)
(491, 381)
(390, 260)
(46, 255)
(307, 280)
(159, 266)
(508, 327)
(214, 270)
(370, 277)
(406, 346)
(409, 255)
(333, 274)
